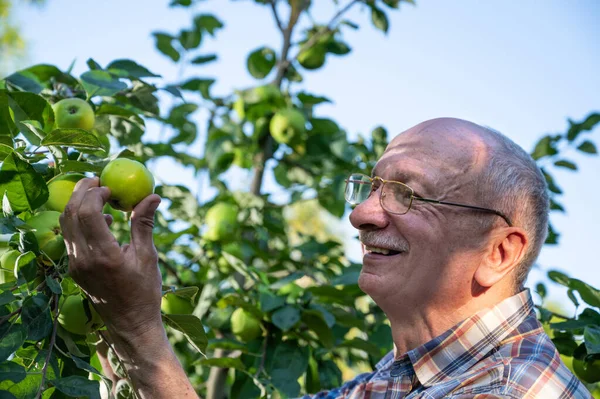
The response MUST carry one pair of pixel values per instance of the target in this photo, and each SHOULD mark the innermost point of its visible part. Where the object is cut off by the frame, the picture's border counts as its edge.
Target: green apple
(312, 58)
(60, 189)
(221, 222)
(48, 233)
(173, 304)
(74, 113)
(129, 182)
(7, 265)
(244, 325)
(73, 316)
(286, 125)
(587, 371)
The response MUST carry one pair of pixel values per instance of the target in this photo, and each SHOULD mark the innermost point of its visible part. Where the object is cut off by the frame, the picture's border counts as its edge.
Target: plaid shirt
(501, 352)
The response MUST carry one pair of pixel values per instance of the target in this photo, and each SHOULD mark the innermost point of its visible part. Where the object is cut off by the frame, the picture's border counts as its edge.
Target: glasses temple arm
(503, 216)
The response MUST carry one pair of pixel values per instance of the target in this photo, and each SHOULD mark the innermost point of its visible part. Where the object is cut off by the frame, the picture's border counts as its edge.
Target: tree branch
(49, 355)
(276, 15)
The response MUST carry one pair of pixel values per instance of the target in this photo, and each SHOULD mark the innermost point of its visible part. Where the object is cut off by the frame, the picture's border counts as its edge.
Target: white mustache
(375, 239)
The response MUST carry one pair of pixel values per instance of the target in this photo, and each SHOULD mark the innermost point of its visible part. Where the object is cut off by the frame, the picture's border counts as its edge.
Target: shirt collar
(462, 346)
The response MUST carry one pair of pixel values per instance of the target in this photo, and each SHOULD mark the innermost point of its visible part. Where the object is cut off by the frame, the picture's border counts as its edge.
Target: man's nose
(369, 215)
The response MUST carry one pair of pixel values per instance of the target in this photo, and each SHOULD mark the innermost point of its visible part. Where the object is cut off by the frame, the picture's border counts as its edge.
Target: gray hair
(512, 183)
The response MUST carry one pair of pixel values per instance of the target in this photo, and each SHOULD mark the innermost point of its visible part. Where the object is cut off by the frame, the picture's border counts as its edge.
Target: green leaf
(208, 23)
(392, 3)
(200, 85)
(77, 386)
(6, 297)
(269, 301)
(379, 19)
(289, 361)
(559, 278)
(35, 78)
(183, 3)
(588, 124)
(36, 317)
(311, 99)
(12, 337)
(324, 126)
(190, 39)
(85, 365)
(588, 147)
(316, 322)
(75, 138)
(188, 293)
(224, 362)
(203, 59)
(78, 166)
(29, 107)
(563, 163)
(11, 224)
(23, 186)
(286, 317)
(337, 47)
(10, 371)
(591, 334)
(545, 147)
(589, 294)
(164, 44)
(191, 327)
(101, 83)
(129, 69)
(361, 344)
(260, 62)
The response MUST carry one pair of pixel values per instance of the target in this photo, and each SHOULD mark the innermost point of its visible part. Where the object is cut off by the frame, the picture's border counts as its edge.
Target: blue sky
(520, 67)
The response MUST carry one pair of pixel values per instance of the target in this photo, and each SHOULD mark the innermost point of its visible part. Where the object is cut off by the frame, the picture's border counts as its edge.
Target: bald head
(494, 171)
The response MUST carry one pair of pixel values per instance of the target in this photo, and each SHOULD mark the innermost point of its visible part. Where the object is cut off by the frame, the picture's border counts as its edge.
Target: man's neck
(415, 326)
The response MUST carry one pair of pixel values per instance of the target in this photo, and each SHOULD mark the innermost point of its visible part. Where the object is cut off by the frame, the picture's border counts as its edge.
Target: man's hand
(123, 282)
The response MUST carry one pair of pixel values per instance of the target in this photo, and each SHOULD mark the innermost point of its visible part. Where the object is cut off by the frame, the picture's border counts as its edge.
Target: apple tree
(254, 306)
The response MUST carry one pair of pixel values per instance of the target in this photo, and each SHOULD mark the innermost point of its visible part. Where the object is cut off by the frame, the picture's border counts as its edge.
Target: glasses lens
(396, 197)
(358, 188)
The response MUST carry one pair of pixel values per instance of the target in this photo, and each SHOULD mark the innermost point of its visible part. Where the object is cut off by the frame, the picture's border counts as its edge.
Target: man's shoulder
(533, 368)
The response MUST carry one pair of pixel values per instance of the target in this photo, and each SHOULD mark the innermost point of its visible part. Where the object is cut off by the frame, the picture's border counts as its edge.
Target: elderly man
(450, 221)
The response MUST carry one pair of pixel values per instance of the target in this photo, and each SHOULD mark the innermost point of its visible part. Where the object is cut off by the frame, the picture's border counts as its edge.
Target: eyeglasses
(396, 197)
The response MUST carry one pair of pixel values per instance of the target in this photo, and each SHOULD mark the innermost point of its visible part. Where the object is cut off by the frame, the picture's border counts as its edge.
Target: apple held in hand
(173, 304)
(244, 325)
(60, 189)
(129, 182)
(7, 265)
(73, 316)
(48, 233)
(74, 113)
(286, 125)
(221, 222)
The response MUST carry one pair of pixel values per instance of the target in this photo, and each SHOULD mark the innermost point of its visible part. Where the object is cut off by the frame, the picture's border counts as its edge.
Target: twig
(49, 355)
(107, 342)
(263, 356)
(276, 15)
(3, 319)
(172, 270)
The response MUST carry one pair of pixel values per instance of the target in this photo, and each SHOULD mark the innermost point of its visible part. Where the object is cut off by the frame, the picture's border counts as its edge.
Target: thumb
(142, 222)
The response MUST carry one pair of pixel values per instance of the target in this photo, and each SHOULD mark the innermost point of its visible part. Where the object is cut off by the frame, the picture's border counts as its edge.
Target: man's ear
(505, 249)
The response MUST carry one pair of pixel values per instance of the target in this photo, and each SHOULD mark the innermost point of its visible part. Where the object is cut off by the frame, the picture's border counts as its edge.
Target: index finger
(81, 188)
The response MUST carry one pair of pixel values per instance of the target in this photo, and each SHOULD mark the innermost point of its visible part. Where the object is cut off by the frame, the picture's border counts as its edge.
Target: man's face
(438, 247)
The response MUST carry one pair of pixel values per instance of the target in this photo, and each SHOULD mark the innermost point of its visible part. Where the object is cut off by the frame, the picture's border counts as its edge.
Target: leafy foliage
(315, 322)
